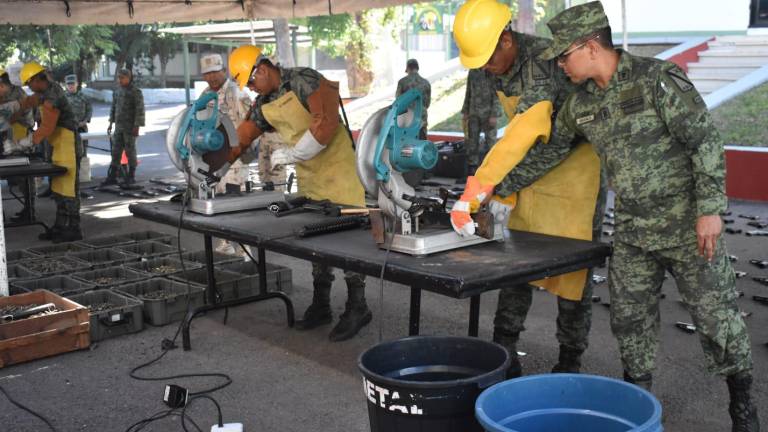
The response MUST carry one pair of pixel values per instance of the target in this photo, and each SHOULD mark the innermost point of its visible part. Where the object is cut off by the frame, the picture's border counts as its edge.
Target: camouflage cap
(124, 72)
(70, 79)
(573, 24)
(412, 64)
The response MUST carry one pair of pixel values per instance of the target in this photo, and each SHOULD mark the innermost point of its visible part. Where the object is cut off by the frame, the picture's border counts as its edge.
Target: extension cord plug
(228, 427)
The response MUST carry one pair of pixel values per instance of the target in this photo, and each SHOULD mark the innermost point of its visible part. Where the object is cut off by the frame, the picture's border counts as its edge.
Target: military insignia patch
(586, 119)
(632, 105)
(680, 80)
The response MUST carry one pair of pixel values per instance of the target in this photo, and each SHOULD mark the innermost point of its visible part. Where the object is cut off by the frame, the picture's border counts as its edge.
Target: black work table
(28, 173)
(460, 273)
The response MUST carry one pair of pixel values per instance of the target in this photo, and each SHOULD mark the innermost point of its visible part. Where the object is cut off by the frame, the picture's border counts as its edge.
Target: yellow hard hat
(29, 70)
(241, 63)
(476, 28)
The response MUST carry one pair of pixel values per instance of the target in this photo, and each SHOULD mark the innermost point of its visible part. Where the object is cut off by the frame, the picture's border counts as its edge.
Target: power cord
(184, 411)
(29, 410)
(169, 344)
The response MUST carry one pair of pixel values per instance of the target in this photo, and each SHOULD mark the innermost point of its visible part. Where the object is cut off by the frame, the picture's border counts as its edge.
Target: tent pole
(185, 45)
(3, 258)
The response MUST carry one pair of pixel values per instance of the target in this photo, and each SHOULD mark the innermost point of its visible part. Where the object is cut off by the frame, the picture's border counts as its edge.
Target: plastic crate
(148, 249)
(279, 278)
(106, 242)
(172, 306)
(19, 272)
(19, 255)
(170, 241)
(54, 265)
(230, 285)
(141, 236)
(152, 267)
(218, 257)
(62, 285)
(110, 277)
(61, 249)
(99, 258)
(119, 314)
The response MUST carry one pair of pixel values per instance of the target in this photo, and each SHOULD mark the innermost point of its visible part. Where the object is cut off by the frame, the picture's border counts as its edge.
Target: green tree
(94, 41)
(132, 40)
(164, 46)
(350, 36)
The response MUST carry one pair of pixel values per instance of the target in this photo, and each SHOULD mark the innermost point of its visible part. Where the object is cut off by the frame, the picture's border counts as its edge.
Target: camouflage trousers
(475, 149)
(574, 318)
(269, 142)
(68, 208)
(123, 140)
(707, 290)
(322, 279)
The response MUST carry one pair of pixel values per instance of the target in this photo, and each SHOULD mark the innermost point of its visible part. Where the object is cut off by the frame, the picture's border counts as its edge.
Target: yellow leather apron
(331, 174)
(561, 203)
(63, 143)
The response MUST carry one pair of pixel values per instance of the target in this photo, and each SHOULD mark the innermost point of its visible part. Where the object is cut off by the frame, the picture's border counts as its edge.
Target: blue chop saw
(388, 146)
(196, 131)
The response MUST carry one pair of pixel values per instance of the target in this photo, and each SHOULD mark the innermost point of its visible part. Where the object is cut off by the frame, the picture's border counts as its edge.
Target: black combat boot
(569, 361)
(742, 408)
(71, 233)
(59, 225)
(111, 176)
(356, 313)
(645, 382)
(319, 312)
(131, 179)
(509, 341)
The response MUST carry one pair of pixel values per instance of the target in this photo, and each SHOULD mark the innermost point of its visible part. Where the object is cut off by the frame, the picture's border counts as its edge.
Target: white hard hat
(211, 63)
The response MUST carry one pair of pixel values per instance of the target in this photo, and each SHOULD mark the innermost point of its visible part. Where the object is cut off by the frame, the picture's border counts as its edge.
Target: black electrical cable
(184, 410)
(167, 345)
(381, 277)
(160, 415)
(29, 410)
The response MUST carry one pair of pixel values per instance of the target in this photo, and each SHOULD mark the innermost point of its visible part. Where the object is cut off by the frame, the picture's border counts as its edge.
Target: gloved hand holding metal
(9, 147)
(305, 149)
(25, 143)
(502, 207)
(474, 195)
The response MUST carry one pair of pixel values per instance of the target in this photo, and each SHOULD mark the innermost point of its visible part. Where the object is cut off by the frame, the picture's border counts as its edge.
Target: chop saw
(387, 147)
(195, 135)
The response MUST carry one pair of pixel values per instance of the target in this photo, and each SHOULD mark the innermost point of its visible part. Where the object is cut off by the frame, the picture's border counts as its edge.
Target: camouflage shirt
(662, 154)
(534, 80)
(127, 110)
(81, 106)
(232, 101)
(414, 80)
(6, 111)
(480, 98)
(58, 98)
(302, 81)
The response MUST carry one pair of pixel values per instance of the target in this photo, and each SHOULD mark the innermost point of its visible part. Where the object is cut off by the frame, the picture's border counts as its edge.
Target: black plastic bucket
(429, 383)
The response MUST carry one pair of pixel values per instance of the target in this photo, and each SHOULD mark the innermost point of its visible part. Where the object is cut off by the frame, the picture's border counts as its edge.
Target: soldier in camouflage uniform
(81, 106)
(520, 82)
(664, 159)
(303, 107)
(479, 114)
(127, 114)
(58, 126)
(414, 80)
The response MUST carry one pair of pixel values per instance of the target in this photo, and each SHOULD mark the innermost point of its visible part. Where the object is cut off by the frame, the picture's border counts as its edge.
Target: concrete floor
(286, 380)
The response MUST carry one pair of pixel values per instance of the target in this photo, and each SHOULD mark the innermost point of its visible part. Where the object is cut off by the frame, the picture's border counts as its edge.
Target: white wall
(669, 16)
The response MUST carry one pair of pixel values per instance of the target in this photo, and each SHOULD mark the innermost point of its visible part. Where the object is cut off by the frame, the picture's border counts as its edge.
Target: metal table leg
(212, 305)
(415, 316)
(474, 315)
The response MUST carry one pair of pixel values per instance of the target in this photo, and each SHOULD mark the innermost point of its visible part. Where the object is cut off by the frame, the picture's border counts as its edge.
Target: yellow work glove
(474, 195)
(521, 134)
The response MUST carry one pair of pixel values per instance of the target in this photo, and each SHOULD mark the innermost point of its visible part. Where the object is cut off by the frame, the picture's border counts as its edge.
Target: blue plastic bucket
(567, 402)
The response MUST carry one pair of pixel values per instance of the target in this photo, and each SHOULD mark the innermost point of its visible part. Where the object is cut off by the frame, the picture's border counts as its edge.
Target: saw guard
(192, 166)
(389, 193)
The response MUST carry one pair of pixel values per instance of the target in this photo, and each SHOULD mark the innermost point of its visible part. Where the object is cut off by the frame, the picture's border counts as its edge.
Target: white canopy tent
(68, 12)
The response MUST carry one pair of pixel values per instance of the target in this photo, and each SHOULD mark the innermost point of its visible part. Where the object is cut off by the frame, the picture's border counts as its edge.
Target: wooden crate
(33, 338)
